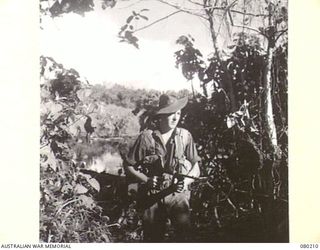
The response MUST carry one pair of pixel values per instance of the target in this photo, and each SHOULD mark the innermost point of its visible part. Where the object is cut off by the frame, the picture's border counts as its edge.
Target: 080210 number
(308, 245)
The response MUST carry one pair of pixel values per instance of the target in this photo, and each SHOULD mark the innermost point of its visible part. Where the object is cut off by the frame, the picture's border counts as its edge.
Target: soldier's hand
(154, 182)
(179, 185)
(150, 159)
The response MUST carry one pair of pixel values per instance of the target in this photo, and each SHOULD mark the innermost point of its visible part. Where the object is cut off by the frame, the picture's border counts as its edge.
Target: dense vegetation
(239, 124)
(71, 199)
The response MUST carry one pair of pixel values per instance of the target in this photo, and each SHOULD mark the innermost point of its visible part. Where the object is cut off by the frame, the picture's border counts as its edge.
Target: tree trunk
(272, 132)
(192, 88)
(270, 123)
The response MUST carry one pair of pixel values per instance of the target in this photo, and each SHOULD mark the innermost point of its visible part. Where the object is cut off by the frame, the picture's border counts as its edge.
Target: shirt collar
(158, 133)
(158, 137)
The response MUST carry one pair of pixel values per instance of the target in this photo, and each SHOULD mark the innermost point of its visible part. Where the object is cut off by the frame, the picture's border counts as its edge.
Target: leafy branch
(183, 10)
(157, 21)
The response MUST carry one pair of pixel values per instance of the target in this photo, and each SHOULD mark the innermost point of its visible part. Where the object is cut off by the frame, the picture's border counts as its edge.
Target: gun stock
(148, 200)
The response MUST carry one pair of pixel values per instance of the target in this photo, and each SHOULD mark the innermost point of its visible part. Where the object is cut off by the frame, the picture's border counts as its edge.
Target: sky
(90, 45)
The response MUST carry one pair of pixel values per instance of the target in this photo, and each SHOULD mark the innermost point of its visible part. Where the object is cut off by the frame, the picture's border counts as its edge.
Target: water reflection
(110, 163)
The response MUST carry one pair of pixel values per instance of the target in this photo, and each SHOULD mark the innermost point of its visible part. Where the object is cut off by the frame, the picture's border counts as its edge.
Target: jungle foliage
(239, 123)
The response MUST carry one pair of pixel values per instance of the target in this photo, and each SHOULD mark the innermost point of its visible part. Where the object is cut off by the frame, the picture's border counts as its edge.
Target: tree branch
(207, 7)
(130, 5)
(255, 145)
(249, 28)
(248, 14)
(157, 21)
(199, 4)
(258, 194)
(214, 41)
(66, 204)
(281, 32)
(183, 10)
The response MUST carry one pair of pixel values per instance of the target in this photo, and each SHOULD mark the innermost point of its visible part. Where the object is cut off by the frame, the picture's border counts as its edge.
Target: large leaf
(50, 107)
(79, 189)
(44, 94)
(230, 121)
(83, 94)
(129, 19)
(144, 17)
(105, 237)
(66, 188)
(94, 183)
(87, 201)
(48, 158)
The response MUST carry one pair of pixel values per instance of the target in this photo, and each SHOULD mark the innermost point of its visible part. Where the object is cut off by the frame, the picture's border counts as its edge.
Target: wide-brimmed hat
(169, 104)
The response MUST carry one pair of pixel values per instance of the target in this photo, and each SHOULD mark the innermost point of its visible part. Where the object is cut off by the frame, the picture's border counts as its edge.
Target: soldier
(161, 154)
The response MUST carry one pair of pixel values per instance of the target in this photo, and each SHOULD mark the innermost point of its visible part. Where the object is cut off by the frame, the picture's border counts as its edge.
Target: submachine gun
(152, 165)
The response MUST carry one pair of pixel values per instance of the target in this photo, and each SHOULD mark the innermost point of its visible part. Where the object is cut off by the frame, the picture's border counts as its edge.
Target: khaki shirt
(150, 142)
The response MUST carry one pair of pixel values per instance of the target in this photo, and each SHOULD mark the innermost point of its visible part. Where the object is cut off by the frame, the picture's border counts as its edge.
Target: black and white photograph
(163, 121)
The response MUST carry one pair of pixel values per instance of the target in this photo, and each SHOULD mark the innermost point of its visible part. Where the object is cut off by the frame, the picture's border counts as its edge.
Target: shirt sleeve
(137, 152)
(191, 151)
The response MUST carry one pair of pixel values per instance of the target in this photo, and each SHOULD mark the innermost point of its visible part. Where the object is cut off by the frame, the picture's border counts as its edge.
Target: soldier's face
(170, 121)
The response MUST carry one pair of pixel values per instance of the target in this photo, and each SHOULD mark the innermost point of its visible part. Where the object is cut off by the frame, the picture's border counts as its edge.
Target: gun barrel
(187, 176)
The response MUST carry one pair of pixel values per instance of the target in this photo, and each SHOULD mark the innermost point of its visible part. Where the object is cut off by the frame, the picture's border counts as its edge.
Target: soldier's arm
(193, 157)
(152, 182)
(141, 177)
(194, 172)
(136, 154)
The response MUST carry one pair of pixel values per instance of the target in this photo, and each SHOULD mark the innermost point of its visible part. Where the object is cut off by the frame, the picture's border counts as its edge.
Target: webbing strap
(180, 142)
(180, 146)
